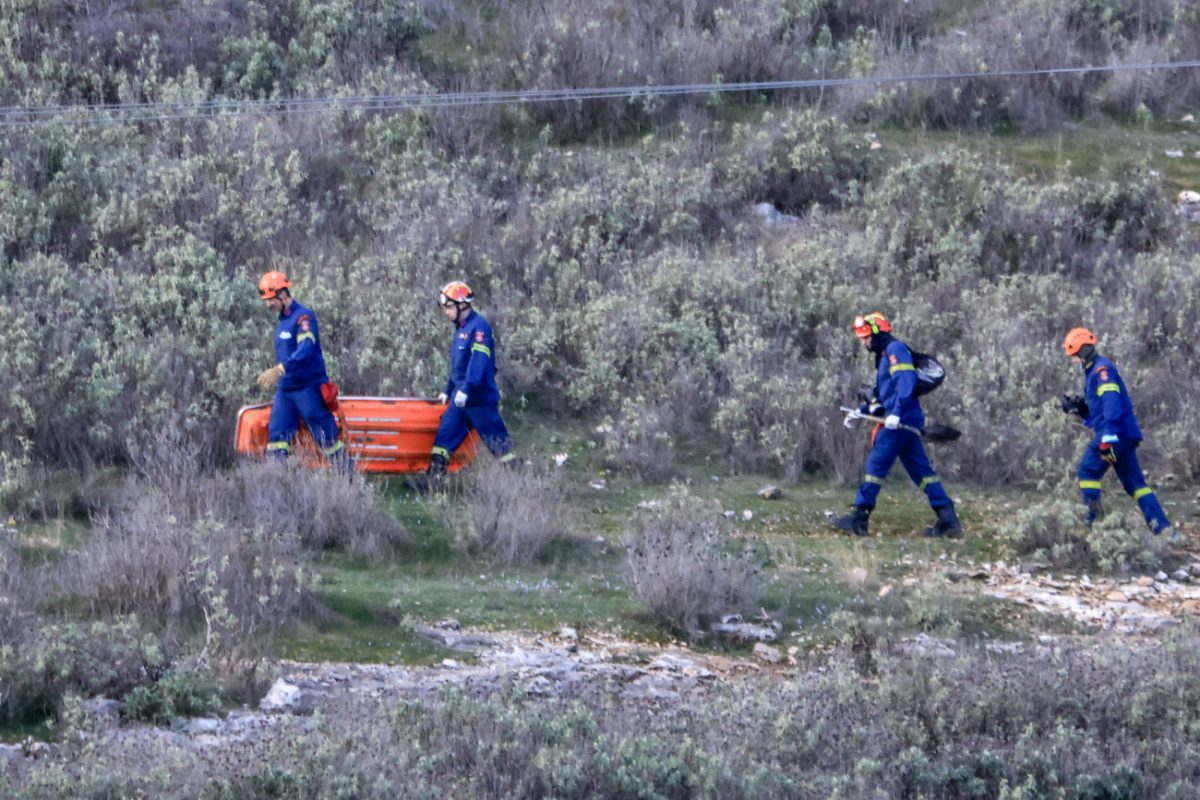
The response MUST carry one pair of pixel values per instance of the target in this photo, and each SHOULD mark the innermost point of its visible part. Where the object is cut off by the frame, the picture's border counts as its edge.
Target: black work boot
(946, 526)
(855, 522)
(431, 479)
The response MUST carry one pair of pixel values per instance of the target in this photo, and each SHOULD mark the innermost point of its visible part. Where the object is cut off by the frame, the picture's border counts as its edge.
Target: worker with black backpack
(899, 435)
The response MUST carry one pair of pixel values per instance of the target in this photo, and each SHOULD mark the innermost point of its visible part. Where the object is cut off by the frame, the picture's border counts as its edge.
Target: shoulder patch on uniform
(479, 336)
(892, 359)
(1104, 373)
(305, 323)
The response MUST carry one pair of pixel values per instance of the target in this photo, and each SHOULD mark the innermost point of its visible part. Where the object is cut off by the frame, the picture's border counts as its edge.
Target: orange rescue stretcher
(382, 434)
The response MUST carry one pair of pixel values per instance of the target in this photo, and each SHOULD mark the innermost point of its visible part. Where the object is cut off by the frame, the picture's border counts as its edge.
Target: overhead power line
(124, 113)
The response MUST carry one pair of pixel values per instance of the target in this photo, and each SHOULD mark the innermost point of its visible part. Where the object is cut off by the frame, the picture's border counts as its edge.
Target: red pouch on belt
(329, 393)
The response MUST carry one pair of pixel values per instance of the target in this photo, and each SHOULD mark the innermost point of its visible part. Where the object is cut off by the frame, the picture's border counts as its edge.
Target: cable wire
(127, 113)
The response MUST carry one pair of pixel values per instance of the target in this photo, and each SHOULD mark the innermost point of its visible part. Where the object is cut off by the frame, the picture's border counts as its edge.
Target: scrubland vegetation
(636, 296)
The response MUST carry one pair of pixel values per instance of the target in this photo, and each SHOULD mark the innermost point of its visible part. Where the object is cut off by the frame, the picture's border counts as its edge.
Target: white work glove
(460, 398)
(892, 422)
(851, 418)
(443, 399)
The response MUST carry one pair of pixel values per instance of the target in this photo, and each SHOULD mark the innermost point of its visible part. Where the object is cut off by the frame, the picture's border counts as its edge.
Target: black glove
(870, 405)
(1074, 404)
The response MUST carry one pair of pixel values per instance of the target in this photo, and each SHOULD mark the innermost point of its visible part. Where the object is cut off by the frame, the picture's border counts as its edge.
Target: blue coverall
(298, 394)
(473, 372)
(895, 384)
(1110, 415)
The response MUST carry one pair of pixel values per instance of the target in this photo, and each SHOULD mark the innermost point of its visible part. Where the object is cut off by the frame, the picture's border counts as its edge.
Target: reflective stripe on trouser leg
(282, 425)
(1091, 469)
(888, 445)
(1133, 480)
(916, 463)
(452, 429)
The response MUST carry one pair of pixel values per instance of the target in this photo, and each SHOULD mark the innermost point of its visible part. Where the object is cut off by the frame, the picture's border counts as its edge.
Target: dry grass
(508, 514)
(683, 567)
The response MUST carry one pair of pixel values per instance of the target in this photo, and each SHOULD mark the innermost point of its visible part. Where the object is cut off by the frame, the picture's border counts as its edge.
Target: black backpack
(930, 373)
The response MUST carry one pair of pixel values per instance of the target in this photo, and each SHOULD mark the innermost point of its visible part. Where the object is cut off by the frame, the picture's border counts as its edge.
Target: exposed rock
(286, 697)
(745, 632)
(10, 752)
(102, 708)
(770, 216)
(1187, 205)
(197, 726)
(771, 492)
(767, 653)
(924, 644)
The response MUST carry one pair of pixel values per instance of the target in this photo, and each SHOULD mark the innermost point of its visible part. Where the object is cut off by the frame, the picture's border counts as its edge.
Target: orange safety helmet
(271, 283)
(455, 292)
(871, 324)
(1075, 339)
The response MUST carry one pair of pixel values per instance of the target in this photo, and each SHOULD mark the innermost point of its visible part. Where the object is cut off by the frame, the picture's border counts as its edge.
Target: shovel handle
(872, 418)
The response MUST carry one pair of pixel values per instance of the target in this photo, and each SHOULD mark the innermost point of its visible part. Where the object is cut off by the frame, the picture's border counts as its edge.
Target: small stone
(771, 492)
(747, 515)
(1146, 580)
(767, 653)
(1116, 597)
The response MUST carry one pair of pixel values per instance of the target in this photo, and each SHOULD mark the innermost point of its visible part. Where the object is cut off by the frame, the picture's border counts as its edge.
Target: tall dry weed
(683, 565)
(507, 513)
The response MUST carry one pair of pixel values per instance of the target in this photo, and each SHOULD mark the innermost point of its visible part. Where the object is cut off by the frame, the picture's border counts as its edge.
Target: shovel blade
(940, 433)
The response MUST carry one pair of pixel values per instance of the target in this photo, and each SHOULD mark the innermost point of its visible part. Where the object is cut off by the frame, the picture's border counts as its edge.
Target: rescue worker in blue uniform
(297, 377)
(471, 395)
(1107, 409)
(895, 399)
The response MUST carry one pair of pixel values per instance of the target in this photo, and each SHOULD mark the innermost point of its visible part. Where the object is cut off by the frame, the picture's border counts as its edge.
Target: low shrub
(1055, 532)
(43, 662)
(640, 441)
(506, 513)
(324, 509)
(684, 566)
(1092, 722)
(180, 692)
(238, 584)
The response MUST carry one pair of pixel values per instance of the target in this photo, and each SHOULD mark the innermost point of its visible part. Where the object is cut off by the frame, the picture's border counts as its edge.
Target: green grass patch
(1100, 147)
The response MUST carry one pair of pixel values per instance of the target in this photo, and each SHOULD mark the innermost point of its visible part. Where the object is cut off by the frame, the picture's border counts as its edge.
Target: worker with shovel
(1106, 408)
(471, 395)
(898, 436)
(302, 387)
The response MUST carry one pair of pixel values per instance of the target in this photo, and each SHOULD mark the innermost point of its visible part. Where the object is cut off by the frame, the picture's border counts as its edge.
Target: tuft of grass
(683, 566)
